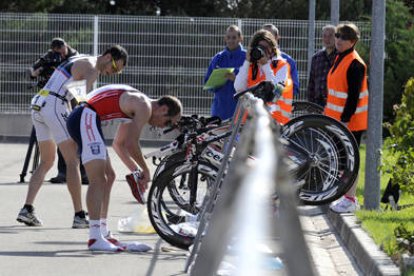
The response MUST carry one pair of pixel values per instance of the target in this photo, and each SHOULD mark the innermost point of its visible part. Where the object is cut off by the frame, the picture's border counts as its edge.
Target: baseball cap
(57, 42)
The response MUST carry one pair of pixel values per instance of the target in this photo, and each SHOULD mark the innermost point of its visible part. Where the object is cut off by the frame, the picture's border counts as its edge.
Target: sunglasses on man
(115, 67)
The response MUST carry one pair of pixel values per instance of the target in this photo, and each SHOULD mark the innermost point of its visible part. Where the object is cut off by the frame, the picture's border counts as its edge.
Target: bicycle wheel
(331, 153)
(167, 161)
(300, 108)
(169, 207)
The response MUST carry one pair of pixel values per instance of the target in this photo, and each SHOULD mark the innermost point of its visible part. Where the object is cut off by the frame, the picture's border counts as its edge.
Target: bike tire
(333, 157)
(163, 210)
(167, 161)
(300, 108)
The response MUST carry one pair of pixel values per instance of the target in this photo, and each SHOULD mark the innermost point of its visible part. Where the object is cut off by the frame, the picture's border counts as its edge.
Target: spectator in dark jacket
(322, 61)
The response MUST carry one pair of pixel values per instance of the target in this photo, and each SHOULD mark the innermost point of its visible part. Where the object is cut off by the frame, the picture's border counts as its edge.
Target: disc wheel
(169, 206)
(331, 153)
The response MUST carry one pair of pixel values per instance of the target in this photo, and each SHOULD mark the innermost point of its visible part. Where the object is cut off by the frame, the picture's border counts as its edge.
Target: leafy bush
(400, 163)
(399, 66)
(405, 239)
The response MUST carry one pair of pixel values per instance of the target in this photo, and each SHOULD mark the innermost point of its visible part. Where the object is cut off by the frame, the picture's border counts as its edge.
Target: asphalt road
(57, 249)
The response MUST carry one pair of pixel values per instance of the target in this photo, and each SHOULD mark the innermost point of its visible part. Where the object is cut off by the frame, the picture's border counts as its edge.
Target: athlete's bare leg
(68, 149)
(110, 178)
(47, 158)
(95, 169)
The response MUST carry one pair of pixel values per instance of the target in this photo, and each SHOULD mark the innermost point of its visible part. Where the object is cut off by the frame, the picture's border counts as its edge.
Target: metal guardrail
(241, 203)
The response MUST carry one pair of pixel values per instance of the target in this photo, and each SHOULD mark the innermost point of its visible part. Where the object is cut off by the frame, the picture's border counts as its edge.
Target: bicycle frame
(318, 149)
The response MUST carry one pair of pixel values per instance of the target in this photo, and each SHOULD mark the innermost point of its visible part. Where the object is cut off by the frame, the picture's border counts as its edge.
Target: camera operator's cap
(57, 42)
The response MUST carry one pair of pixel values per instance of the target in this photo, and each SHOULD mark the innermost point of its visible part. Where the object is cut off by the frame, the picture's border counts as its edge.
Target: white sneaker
(103, 245)
(344, 205)
(112, 239)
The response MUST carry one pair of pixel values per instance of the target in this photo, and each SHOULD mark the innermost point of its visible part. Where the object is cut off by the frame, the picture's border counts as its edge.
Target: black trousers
(358, 136)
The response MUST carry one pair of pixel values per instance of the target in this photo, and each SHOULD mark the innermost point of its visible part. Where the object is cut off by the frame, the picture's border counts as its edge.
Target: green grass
(380, 224)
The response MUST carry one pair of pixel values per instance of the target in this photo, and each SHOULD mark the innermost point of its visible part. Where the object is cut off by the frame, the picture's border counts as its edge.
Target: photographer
(41, 70)
(264, 63)
(292, 63)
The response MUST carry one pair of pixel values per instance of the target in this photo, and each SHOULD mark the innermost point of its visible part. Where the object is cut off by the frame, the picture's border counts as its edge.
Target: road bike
(322, 151)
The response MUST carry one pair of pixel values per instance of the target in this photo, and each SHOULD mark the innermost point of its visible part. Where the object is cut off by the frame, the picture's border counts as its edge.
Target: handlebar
(169, 148)
(191, 127)
(265, 90)
(193, 123)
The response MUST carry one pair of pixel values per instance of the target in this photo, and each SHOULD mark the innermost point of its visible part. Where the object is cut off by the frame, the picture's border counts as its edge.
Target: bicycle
(324, 152)
(301, 107)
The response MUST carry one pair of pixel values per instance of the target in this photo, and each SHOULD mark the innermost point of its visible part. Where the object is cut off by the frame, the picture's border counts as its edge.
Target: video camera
(48, 63)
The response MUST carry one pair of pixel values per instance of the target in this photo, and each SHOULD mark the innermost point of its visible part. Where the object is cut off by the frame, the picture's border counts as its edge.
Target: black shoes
(59, 179)
(85, 180)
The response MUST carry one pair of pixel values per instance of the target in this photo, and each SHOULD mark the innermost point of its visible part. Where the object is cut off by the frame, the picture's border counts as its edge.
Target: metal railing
(168, 55)
(240, 206)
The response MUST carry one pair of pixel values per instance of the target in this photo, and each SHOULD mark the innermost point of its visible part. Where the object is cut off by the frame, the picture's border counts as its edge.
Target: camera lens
(256, 54)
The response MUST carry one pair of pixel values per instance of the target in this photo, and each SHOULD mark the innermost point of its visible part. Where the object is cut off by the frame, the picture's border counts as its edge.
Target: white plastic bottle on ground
(138, 222)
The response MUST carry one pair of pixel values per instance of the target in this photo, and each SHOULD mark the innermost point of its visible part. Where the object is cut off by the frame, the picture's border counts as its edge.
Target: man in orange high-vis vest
(264, 63)
(348, 97)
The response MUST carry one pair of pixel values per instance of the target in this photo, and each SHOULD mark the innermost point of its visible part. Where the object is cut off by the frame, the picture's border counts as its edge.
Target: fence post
(375, 105)
(311, 34)
(335, 12)
(95, 40)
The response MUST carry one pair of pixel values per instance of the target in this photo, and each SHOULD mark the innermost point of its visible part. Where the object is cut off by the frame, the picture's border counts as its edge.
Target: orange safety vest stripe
(338, 93)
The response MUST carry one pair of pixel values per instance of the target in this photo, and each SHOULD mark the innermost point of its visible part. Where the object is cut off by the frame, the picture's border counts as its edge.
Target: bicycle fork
(193, 186)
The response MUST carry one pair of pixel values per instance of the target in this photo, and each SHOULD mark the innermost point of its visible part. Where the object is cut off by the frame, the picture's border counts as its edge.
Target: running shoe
(28, 218)
(80, 223)
(344, 205)
(111, 238)
(137, 189)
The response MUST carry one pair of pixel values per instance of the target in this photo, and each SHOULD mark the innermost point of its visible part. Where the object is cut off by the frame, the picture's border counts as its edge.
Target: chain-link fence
(168, 55)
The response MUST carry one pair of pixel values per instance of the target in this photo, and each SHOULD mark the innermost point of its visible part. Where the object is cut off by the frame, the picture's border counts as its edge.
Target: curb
(370, 259)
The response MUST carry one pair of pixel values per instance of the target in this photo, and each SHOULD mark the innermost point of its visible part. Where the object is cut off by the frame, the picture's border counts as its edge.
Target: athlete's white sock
(95, 230)
(104, 227)
(96, 241)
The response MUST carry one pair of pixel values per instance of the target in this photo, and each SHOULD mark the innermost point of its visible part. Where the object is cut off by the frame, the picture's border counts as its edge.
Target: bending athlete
(50, 108)
(134, 109)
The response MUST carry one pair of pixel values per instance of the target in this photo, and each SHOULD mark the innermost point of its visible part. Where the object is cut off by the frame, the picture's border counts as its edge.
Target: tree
(399, 63)
(28, 6)
(400, 162)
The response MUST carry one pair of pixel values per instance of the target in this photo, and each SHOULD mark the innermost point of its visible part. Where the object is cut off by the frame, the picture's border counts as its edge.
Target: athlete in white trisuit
(50, 108)
(133, 109)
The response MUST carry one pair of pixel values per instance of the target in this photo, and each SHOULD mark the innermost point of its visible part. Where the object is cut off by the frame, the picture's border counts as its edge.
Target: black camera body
(257, 53)
(48, 62)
